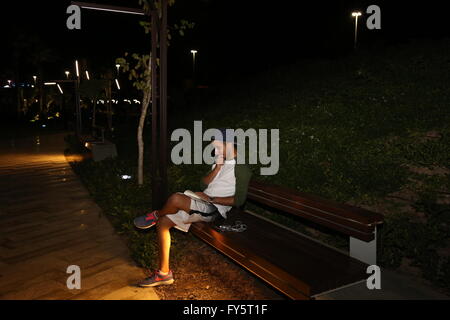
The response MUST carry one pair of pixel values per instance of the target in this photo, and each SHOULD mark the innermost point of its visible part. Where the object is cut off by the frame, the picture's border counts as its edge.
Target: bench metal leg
(364, 251)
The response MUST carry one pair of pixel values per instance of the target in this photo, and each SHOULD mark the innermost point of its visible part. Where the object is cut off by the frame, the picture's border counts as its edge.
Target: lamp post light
(356, 14)
(193, 63)
(118, 68)
(35, 79)
(67, 74)
(77, 70)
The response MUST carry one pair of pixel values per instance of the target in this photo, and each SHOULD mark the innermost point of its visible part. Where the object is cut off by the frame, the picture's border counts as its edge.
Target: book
(194, 196)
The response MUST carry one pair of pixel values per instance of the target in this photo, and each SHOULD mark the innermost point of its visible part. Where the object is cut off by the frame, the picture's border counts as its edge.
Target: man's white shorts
(183, 220)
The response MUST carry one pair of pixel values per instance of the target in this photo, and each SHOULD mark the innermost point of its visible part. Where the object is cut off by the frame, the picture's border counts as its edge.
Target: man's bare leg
(163, 228)
(176, 201)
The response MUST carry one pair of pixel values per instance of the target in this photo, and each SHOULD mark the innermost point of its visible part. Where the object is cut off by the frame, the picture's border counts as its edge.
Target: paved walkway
(48, 222)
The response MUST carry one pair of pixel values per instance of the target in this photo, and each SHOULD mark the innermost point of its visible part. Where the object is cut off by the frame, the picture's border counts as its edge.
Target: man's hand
(203, 195)
(207, 179)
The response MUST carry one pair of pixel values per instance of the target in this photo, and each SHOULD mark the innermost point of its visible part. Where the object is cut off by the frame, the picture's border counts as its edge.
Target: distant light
(87, 75)
(356, 14)
(118, 67)
(32, 85)
(9, 83)
(76, 68)
(7, 86)
(67, 74)
(86, 144)
(34, 78)
(59, 87)
(43, 126)
(125, 177)
(117, 84)
(50, 83)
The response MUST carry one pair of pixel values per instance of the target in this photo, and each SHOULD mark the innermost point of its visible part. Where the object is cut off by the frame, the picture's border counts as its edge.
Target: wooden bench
(297, 265)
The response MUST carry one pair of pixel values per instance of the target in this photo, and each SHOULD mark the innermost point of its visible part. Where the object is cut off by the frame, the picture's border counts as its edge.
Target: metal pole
(356, 29)
(78, 108)
(193, 66)
(109, 97)
(163, 99)
(156, 199)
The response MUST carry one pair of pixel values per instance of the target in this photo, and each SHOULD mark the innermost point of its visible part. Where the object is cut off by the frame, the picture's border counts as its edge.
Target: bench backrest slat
(350, 220)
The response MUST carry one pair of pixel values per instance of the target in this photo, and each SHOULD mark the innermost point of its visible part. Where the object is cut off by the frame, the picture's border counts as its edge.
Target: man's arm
(225, 201)
(210, 176)
(243, 175)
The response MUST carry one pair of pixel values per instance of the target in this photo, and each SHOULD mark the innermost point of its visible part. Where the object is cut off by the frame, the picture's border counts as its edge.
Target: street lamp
(118, 68)
(193, 63)
(34, 78)
(356, 14)
(67, 74)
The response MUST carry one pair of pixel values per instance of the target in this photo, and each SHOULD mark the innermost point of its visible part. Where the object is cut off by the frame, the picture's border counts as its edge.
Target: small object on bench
(297, 265)
(237, 227)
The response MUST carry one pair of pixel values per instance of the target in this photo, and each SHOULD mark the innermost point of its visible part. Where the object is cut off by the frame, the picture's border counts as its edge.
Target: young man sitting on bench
(226, 187)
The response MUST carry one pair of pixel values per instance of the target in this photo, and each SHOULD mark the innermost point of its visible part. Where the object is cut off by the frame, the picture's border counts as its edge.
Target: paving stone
(48, 222)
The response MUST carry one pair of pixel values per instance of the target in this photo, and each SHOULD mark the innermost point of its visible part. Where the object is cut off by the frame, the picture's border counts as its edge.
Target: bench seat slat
(319, 267)
(276, 277)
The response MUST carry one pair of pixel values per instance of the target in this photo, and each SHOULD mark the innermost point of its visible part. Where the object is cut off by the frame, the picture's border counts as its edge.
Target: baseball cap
(223, 135)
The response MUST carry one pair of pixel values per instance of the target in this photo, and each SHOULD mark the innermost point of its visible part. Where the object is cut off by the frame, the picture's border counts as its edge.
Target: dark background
(233, 38)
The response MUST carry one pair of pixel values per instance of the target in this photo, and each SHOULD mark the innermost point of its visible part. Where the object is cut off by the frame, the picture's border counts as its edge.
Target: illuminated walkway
(48, 222)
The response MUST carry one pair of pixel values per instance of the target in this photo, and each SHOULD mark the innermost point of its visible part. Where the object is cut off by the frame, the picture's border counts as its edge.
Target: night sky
(232, 37)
